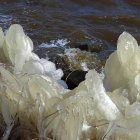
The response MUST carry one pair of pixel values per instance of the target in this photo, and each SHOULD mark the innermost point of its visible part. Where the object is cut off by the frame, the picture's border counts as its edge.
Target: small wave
(60, 43)
(5, 20)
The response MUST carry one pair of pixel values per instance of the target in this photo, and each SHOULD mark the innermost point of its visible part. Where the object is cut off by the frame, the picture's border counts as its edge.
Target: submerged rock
(77, 59)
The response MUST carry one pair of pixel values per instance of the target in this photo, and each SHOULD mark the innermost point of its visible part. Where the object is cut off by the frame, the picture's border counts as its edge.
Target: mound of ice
(17, 48)
(123, 66)
(31, 95)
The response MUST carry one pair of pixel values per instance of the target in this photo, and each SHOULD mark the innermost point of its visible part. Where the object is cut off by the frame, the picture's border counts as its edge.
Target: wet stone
(74, 78)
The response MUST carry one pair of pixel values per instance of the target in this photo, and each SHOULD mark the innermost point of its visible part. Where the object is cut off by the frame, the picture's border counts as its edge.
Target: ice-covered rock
(120, 101)
(71, 115)
(33, 95)
(21, 93)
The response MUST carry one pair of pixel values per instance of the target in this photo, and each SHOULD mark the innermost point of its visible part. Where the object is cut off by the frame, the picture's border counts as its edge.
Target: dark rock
(74, 78)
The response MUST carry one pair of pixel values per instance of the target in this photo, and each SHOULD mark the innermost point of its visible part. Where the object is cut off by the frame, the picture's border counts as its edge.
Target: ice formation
(31, 94)
(18, 48)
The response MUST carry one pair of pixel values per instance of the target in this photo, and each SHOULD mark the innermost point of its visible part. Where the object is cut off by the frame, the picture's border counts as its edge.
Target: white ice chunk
(114, 73)
(48, 65)
(17, 46)
(33, 56)
(137, 82)
(2, 55)
(84, 66)
(126, 47)
(58, 74)
(63, 83)
(1, 37)
(33, 67)
(133, 110)
(104, 104)
(50, 69)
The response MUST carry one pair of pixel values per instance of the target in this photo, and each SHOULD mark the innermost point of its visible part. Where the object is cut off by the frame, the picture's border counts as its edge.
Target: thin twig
(49, 115)
(8, 130)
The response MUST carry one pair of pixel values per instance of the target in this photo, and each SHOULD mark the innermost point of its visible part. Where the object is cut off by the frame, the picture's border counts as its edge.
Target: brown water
(84, 23)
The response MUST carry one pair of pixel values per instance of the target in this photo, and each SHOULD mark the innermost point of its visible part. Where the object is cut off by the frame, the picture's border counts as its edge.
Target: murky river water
(91, 25)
